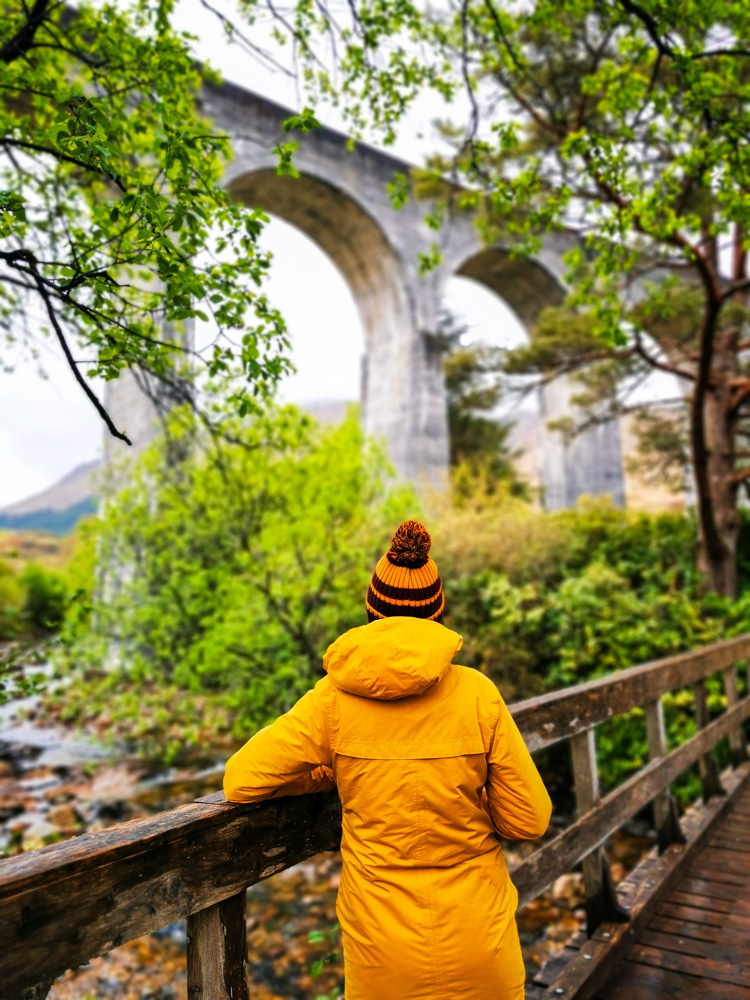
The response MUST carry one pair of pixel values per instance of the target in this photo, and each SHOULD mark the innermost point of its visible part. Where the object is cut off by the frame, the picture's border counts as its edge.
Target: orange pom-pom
(410, 545)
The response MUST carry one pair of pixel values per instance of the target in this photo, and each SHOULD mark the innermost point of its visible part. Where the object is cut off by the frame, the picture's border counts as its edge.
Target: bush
(46, 598)
(226, 576)
(11, 603)
(573, 595)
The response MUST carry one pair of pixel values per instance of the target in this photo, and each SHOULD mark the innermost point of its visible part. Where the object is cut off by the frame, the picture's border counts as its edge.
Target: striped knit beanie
(406, 581)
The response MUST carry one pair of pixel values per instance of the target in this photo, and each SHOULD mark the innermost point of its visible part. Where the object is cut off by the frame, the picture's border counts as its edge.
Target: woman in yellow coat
(431, 770)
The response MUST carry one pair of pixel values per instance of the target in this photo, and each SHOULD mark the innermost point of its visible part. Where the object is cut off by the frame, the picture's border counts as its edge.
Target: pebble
(64, 816)
(38, 831)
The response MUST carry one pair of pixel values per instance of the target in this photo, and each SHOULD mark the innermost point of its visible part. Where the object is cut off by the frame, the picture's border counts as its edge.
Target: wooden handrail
(64, 904)
(561, 714)
(538, 872)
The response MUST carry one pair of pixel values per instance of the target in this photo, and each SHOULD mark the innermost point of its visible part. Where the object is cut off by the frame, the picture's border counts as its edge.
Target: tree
(474, 388)
(115, 230)
(563, 343)
(627, 122)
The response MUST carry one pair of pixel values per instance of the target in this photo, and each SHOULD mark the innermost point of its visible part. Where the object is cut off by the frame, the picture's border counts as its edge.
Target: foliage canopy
(115, 230)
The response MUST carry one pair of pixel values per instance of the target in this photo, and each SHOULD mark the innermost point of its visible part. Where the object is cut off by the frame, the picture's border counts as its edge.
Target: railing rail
(66, 903)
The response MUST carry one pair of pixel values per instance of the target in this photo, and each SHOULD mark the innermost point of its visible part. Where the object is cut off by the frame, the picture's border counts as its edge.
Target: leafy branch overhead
(624, 124)
(116, 230)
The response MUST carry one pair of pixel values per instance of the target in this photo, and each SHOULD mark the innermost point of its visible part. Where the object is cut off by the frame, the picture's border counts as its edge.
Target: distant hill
(57, 509)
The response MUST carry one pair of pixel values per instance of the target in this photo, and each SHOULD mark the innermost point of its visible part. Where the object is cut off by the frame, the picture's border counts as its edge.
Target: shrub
(227, 574)
(46, 597)
(11, 603)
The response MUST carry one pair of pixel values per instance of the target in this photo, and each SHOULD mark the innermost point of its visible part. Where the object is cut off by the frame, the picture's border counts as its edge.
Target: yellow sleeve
(518, 802)
(292, 756)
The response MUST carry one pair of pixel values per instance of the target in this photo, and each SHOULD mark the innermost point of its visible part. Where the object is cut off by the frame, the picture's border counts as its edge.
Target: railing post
(601, 897)
(666, 818)
(217, 951)
(709, 772)
(737, 739)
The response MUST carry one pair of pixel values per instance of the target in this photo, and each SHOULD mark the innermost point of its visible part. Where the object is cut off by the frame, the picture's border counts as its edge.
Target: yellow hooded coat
(430, 768)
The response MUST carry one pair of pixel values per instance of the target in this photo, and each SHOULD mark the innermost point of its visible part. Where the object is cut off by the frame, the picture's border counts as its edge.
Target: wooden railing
(66, 903)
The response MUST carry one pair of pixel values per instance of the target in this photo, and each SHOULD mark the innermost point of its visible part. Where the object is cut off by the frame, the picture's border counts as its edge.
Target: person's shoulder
(323, 692)
(470, 678)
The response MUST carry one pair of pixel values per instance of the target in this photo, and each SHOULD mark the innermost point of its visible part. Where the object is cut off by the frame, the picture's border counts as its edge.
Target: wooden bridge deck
(696, 943)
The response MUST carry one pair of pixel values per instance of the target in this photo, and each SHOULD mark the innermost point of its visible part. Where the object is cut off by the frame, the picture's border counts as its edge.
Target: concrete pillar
(589, 464)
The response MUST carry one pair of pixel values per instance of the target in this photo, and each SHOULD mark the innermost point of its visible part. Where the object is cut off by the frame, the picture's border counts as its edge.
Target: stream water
(55, 785)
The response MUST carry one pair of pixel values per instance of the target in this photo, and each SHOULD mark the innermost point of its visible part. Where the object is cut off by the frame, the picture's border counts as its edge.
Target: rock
(38, 783)
(10, 806)
(64, 816)
(6, 769)
(568, 888)
(38, 834)
(63, 793)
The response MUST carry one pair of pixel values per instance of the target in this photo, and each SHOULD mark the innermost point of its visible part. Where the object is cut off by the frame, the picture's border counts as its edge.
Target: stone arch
(526, 285)
(394, 362)
(592, 462)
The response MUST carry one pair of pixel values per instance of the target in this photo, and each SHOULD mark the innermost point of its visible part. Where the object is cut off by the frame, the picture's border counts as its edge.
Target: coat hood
(391, 658)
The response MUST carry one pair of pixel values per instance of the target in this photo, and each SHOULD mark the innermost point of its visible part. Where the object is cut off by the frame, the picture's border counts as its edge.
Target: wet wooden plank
(726, 859)
(645, 982)
(561, 714)
(703, 915)
(702, 870)
(724, 950)
(735, 974)
(685, 928)
(713, 890)
(585, 975)
(704, 932)
(696, 945)
(730, 842)
(70, 914)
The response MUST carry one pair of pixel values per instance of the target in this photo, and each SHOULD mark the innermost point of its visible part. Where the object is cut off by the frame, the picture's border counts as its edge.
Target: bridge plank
(703, 915)
(584, 978)
(700, 931)
(685, 928)
(736, 974)
(701, 870)
(560, 714)
(645, 982)
(61, 918)
(723, 950)
(714, 890)
(730, 842)
(721, 857)
(704, 932)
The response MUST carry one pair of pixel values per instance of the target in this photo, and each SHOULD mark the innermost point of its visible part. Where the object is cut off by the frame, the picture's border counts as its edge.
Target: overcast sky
(47, 426)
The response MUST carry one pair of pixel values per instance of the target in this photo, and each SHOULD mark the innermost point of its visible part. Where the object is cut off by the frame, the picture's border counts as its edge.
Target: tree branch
(31, 262)
(23, 39)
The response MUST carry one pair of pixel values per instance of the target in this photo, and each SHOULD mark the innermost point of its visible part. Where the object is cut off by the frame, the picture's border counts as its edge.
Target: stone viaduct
(341, 202)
